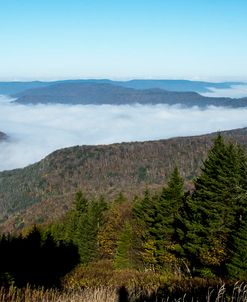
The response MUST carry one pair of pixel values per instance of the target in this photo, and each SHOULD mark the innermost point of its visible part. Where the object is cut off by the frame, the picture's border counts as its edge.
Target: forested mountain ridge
(45, 190)
(3, 136)
(10, 88)
(104, 93)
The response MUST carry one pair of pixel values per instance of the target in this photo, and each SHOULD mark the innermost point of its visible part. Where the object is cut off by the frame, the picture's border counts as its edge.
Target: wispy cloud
(35, 131)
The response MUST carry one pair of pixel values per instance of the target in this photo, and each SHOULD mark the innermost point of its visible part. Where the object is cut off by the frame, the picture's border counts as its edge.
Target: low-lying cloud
(37, 130)
(236, 91)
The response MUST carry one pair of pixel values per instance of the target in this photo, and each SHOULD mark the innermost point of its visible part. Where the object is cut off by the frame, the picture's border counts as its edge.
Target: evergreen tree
(74, 217)
(213, 207)
(182, 224)
(124, 256)
(241, 198)
(81, 226)
(167, 209)
(144, 212)
(157, 215)
(81, 202)
(237, 265)
(89, 224)
(168, 205)
(85, 238)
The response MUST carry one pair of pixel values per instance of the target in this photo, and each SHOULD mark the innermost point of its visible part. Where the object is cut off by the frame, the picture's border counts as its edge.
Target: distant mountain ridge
(3, 136)
(9, 88)
(101, 93)
(45, 190)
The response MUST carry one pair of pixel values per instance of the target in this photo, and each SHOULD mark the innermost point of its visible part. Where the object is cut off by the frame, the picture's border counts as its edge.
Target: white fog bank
(37, 130)
(236, 91)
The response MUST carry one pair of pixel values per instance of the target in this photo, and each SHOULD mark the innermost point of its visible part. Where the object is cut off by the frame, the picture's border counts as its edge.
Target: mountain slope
(10, 88)
(45, 190)
(95, 93)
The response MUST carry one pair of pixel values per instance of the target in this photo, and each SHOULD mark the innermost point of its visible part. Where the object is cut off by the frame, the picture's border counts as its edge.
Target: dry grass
(238, 293)
(40, 295)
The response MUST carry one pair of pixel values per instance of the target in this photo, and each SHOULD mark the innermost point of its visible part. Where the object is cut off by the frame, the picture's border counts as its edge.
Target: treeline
(202, 232)
(35, 259)
(198, 233)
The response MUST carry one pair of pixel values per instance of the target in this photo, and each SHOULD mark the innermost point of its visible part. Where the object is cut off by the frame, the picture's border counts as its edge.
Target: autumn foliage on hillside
(146, 243)
(45, 191)
(199, 233)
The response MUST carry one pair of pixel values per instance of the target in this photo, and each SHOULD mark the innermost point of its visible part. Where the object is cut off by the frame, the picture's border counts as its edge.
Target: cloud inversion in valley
(36, 131)
(236, 91)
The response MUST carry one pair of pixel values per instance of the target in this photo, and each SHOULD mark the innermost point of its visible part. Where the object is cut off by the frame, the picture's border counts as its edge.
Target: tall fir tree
(167, 208)
(124, 255)
(144, 212)
(89, 224)
(237, 264)
(213, 206)
(157, 215)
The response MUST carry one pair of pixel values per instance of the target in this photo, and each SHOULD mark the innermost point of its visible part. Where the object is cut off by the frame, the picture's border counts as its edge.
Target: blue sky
(55, 39)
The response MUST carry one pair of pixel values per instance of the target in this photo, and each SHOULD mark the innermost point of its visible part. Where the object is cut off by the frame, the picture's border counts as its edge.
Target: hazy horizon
(119, 78)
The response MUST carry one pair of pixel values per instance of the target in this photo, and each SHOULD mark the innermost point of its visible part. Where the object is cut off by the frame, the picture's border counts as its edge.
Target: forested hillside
(172, 230)
(172, 242)
(45, 190)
